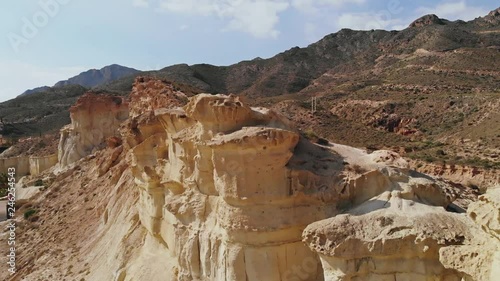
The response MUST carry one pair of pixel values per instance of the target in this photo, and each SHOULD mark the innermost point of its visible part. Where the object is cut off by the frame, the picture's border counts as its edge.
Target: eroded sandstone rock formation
(396, 235)
(208, 188)
(93, 119)
(229, 189)
(215, 189)
(28, 165)
(479, 258)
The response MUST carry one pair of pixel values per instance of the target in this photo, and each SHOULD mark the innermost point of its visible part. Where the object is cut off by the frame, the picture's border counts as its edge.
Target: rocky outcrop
(479, 258)
(42, 163)
(395, 235)
(492, 19)
(427, 20)
(229, 190)
(94, 118)
(28, 165)
(494, 13)
(149, 94)
(208, 188)
(377, 114)
(21, 164)
(203, 189)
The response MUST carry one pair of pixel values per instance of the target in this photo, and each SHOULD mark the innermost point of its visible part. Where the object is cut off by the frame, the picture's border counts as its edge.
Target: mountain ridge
(430, 90)
(90, 78)
(95, 77)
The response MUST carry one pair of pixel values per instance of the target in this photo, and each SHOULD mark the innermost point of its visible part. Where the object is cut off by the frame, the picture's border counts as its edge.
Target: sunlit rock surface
(170, 187)
(93, 119)
(479, 258)
(229, 190)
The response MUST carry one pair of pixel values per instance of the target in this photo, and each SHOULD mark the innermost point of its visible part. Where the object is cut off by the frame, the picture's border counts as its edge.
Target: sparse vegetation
(4, 184)
(28, 213)
(39, 182)
(310, 135)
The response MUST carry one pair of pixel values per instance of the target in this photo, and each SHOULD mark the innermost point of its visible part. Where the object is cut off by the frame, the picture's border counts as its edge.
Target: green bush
(4, 185)
(29, 213)
(310, 135)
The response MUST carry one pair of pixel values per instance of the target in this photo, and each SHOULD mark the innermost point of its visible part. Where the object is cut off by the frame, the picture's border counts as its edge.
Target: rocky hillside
(89, 79)
(344, 52)
(163, 186)
(430, 91)
(35, 90)
(95, 77)
(38, 113)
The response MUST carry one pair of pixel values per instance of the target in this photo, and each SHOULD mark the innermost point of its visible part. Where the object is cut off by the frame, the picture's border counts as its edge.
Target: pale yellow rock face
(394, 235)
(479, 258)
(229, 190)
(215, 189)
(208, 188)
(43, 163)
(93, 119)
(28, 165)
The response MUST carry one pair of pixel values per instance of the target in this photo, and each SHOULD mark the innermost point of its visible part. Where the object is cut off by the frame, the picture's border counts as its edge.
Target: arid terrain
(226, 173)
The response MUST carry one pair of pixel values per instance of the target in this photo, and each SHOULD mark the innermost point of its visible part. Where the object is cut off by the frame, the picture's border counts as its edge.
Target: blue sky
(45, 41)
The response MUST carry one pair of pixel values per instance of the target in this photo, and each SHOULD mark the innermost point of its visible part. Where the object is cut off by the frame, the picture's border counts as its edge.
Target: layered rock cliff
(93, 119)
(207, 188)
(229, 190)
(28, 165)
(214, 189)
(395, 235)
(479, 258)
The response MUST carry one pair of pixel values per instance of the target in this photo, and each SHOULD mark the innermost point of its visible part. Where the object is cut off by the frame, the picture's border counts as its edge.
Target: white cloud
(257, 17)
(314, 6)
(191, 7)
(260, 17)
(184, 27)
(368, 21)
(140, 3)
(21, 76)
(454, 10)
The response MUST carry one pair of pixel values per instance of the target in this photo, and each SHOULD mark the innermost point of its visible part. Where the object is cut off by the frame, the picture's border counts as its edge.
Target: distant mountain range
(295, 69)
(435, 80)
(91, 78)
(35, 90)
(347, 52)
